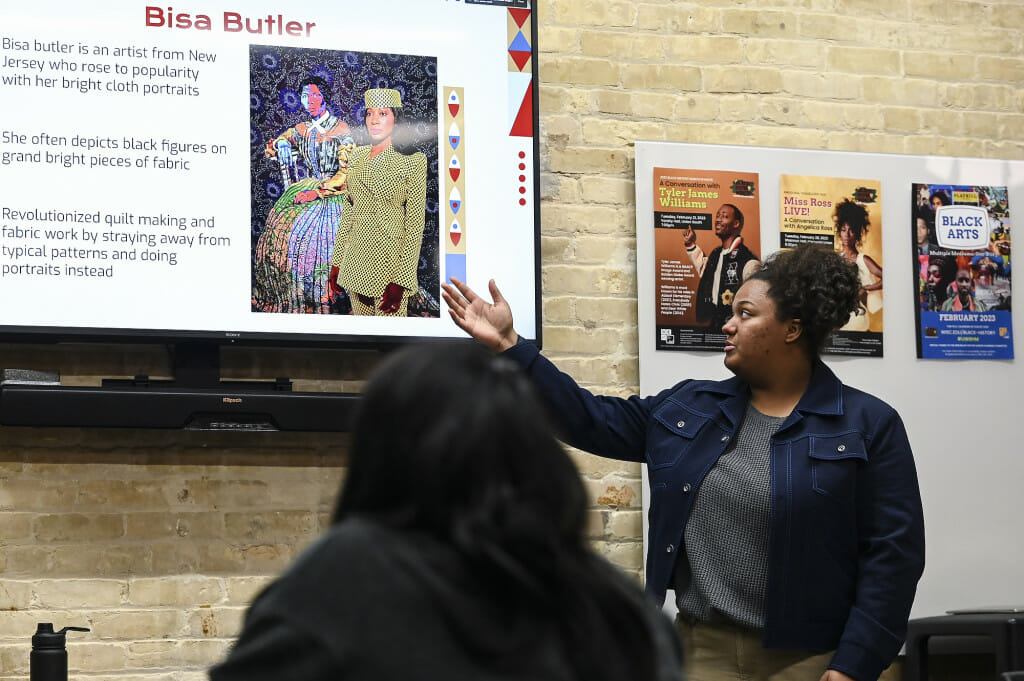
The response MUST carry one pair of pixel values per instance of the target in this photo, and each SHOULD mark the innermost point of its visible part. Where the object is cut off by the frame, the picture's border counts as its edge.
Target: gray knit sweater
(726, 538)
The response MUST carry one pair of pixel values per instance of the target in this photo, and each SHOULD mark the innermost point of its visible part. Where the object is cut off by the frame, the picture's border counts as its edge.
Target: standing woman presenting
(785, 510)
(377, 249)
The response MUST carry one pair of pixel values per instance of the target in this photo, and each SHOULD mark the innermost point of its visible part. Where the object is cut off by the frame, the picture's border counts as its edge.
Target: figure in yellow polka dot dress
(377, 249)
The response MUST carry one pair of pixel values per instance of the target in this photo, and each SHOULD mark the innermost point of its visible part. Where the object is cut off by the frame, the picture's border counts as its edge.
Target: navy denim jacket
(847, 529)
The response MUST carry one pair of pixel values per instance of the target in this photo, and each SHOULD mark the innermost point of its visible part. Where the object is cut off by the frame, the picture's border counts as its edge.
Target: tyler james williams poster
(707, 240)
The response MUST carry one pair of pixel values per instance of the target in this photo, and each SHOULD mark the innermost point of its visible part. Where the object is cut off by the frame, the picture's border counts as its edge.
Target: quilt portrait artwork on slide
(307, 110)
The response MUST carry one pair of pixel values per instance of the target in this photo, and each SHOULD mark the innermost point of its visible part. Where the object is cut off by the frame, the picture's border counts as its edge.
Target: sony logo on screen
(962, 227)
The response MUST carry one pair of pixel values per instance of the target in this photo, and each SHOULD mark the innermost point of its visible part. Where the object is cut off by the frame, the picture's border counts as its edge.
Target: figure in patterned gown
(293, 251)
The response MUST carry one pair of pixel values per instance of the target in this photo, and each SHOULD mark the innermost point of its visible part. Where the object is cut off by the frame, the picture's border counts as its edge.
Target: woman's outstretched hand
(489, 323)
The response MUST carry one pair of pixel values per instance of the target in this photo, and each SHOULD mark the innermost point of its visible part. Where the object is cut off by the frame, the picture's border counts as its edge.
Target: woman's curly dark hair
(853, 214)
(814, 284)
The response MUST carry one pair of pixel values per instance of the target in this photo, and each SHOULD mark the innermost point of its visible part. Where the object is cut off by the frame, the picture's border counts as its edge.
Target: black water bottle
(49, 658)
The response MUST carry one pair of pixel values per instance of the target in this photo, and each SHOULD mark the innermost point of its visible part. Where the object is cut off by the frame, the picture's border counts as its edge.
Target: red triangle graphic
(519, 16)
(454, 108)
(523, 125)
(454, 172)
(456, 238)
(520, 58)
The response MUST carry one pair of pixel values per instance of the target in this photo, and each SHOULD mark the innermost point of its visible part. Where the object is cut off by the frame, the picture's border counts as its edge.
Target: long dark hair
(451, 441)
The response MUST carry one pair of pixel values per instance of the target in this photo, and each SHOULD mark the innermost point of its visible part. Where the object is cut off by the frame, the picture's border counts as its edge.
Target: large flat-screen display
(264, 171)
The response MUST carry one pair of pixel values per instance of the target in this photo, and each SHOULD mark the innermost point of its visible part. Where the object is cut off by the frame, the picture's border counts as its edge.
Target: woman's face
(380, 123)
(754, 335)
(313, 100)
(936, 202)
(847, 237)
(922, 231)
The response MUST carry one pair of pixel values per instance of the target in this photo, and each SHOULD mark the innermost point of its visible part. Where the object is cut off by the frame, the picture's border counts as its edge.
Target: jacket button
(669, 549)
(725, 438)
(680, 424)
(841, 448)
(686, 488)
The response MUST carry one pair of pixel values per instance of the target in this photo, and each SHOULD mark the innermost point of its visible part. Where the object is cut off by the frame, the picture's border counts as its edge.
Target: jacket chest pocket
(835, 460)
(672, 433)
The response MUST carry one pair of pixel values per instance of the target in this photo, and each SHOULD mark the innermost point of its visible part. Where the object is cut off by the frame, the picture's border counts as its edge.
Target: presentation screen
(258, 171)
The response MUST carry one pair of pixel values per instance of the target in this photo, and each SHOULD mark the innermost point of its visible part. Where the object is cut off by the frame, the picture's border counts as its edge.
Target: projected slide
(264, 170)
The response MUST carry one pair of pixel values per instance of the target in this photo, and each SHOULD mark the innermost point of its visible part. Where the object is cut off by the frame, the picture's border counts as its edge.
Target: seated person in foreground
(457, 549)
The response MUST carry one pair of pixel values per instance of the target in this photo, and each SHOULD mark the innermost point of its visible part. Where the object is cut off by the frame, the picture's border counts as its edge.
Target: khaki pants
(725, 652)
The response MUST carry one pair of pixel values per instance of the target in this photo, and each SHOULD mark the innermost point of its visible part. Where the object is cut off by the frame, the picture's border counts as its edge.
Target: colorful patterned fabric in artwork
(380, 98)
(294, 250)
(276, 75)
(381, 227)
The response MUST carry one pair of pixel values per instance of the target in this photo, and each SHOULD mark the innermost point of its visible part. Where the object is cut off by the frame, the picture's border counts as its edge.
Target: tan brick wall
(158, 540)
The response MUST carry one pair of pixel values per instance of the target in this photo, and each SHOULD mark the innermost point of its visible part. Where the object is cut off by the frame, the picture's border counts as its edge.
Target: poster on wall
(845, 214)
(961, 236)
(707, 236)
